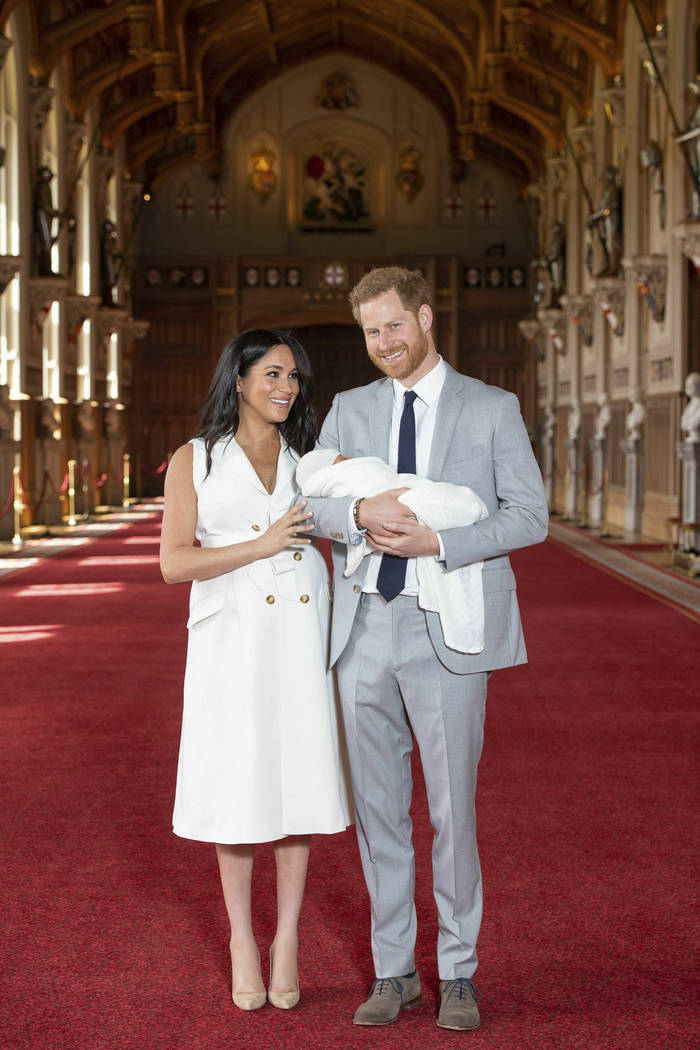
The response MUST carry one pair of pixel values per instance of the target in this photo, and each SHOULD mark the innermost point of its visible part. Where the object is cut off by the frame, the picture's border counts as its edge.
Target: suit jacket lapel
(449, 409)
(380, 410)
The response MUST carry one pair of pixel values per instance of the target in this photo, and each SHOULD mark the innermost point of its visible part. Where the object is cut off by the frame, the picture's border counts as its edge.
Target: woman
(260, 756)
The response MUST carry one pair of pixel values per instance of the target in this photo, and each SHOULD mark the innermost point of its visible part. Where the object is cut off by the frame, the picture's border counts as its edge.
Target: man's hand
(377, 510)
(406, 539)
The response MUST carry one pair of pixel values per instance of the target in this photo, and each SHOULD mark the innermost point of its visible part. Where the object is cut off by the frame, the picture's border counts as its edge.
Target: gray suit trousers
(391, 682)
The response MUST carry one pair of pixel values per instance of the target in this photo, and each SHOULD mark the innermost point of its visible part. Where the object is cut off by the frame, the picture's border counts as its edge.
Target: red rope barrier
(34, 508)
(149, 470)
(99, 482)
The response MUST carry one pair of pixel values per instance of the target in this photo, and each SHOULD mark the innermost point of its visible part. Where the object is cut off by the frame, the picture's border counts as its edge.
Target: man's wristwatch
(356, 513)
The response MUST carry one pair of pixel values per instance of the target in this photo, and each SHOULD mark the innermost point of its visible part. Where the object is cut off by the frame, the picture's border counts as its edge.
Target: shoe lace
(460, 987)
(381, 985)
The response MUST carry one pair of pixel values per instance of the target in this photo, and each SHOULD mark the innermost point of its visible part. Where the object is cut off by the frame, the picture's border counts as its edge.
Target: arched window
(51, 346)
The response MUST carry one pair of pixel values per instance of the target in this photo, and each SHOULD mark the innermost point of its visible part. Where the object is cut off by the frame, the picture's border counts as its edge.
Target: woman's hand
(284, 532)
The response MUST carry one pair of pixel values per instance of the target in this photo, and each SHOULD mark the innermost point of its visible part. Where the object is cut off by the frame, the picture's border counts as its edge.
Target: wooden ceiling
(167, 73)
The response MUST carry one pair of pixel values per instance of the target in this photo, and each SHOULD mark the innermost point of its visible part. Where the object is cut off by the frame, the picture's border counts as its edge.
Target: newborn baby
(456, 596)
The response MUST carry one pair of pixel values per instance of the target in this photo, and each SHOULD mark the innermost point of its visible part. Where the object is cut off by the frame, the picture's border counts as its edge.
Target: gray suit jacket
(479, 440)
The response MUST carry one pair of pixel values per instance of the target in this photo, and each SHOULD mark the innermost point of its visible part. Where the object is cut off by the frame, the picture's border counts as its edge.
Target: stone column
(689, 455)
(49, 462)
(115, 440)
(548, 452)
(597, 497)
(634, 483)
(574, 463)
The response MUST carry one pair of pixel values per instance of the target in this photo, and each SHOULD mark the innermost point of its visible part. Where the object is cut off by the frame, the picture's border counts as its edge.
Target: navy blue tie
(392, 571)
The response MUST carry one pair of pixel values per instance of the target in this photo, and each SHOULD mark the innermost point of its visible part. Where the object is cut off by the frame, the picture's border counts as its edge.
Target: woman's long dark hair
(219, 416)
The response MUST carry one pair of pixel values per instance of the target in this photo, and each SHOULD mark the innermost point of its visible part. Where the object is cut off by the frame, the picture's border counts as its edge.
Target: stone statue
(635, 417)
(110, 262)
(690, 420)
(607, 221)
(602, 419)
(43, 215)
(6, 413)
(556, 261)
(549, 422)
(574, 420)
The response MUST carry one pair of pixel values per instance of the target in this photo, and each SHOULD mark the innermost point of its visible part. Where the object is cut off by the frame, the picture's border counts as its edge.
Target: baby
(456, 596)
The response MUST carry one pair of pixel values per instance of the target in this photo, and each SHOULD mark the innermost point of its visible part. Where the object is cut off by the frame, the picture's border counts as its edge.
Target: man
(395, 672)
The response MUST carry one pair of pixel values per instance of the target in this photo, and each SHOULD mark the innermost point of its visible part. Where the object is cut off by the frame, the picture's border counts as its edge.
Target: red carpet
(114, 931)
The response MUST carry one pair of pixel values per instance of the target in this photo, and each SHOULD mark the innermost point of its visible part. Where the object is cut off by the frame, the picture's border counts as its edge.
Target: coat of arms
(262, 178)
(409, 178)
(337, 92)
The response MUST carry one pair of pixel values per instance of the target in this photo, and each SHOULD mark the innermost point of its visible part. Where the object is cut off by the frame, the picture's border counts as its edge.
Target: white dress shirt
(428, 390)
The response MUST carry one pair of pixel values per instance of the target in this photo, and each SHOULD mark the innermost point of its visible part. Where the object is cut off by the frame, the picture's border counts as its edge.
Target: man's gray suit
(393, 671)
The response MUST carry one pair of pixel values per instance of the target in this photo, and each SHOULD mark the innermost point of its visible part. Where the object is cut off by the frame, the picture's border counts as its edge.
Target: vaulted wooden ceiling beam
(67, 32)
(118, 120)
(88, 84)
(267, 26)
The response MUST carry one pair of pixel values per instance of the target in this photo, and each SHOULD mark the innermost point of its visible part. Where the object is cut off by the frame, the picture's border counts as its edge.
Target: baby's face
(340, 459)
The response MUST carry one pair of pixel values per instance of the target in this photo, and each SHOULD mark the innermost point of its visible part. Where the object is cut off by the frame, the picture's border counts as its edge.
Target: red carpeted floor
(114, 933)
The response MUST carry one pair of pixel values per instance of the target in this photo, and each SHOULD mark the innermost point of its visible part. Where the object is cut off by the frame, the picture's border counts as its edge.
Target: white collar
(428, 388)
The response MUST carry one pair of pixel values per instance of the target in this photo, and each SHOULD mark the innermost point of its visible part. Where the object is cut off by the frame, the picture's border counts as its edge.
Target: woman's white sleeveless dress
(261, 751)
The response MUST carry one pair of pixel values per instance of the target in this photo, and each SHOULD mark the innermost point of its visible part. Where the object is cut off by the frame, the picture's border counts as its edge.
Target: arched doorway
(338, 359)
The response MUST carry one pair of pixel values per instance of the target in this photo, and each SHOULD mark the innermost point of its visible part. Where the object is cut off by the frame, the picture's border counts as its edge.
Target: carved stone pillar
(86, 455)
(597, 496)
(555, 324)
(573, 474)
(50, 448)
(634, 483)
(115, 440)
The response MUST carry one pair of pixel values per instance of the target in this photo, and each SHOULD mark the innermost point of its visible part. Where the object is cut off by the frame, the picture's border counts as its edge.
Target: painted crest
(337, 92)
(409, 178)
(262, 177)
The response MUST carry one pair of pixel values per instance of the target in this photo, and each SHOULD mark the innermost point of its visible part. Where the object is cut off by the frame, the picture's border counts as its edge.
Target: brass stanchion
(17, 540)
(126, 473)
(72, 520)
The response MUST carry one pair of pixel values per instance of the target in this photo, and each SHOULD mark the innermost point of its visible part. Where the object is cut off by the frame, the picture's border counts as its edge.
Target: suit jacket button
(270, 599)
(297, 556)
(304, 598)
(356, 588)
(255, 528)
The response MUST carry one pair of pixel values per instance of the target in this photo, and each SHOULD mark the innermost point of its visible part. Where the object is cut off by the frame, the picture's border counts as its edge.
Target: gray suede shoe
(458, 1009)
(389, 995)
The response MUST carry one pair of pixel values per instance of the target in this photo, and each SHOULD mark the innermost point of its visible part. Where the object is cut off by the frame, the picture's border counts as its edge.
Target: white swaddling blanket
(457, 596)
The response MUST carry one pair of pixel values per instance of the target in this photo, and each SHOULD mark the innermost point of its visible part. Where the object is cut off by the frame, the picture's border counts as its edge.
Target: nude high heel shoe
(247, 1000)
(282, 1000)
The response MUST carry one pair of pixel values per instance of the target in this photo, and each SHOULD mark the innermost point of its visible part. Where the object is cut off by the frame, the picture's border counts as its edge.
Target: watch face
(252, 276)
(153, 276)
(198, 276)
